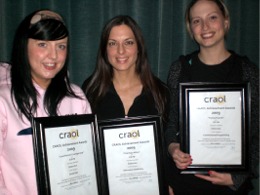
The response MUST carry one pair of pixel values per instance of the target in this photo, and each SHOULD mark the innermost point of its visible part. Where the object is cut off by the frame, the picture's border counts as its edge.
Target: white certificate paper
(215, 128)
(71, 160)
(131, 160)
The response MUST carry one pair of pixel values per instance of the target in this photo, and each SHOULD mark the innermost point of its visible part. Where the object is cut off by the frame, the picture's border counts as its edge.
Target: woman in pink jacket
(38, 87)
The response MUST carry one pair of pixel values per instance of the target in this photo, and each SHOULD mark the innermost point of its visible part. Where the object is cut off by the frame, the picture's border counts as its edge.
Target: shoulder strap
(186, 63)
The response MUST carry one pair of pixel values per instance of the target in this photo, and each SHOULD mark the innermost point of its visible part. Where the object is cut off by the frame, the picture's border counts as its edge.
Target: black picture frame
(117, 157)
(205, 120)
(62, 147)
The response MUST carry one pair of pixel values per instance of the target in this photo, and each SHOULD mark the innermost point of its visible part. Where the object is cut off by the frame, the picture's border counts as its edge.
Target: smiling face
(122, 48)
(207, 24)
(46, 59)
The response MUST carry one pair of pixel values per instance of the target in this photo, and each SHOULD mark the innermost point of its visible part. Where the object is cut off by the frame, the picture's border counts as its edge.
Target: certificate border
(39, 124)
(185, 89)
(154, 120)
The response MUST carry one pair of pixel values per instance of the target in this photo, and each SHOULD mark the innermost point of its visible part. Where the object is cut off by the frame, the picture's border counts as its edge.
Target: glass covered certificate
(132, 156)
(65, 155)
(214, 122)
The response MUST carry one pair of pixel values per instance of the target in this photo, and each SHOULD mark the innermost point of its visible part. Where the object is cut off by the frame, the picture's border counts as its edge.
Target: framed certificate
(214, 124)
(66, 155)
(132, 156)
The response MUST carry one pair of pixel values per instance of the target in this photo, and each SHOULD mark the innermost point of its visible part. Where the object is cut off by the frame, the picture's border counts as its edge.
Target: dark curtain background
(162, 22)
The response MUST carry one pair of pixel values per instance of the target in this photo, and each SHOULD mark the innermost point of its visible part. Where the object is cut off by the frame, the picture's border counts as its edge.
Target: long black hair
(23, 91)
(96, 86)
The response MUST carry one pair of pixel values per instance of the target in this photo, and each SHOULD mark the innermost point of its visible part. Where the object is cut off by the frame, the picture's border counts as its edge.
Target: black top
(111, 106)
(190, 69)
(226, 71)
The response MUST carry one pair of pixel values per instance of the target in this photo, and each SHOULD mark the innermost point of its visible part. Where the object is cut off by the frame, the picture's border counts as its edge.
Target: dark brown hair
(96, 86)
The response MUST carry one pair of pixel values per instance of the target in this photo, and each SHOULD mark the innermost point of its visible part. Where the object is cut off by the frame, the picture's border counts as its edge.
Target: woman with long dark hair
(122, 84)
(39, 86)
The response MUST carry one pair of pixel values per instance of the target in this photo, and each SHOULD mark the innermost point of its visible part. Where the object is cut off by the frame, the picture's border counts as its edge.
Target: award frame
(109, 128)
(194, 140)
(46, 127)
